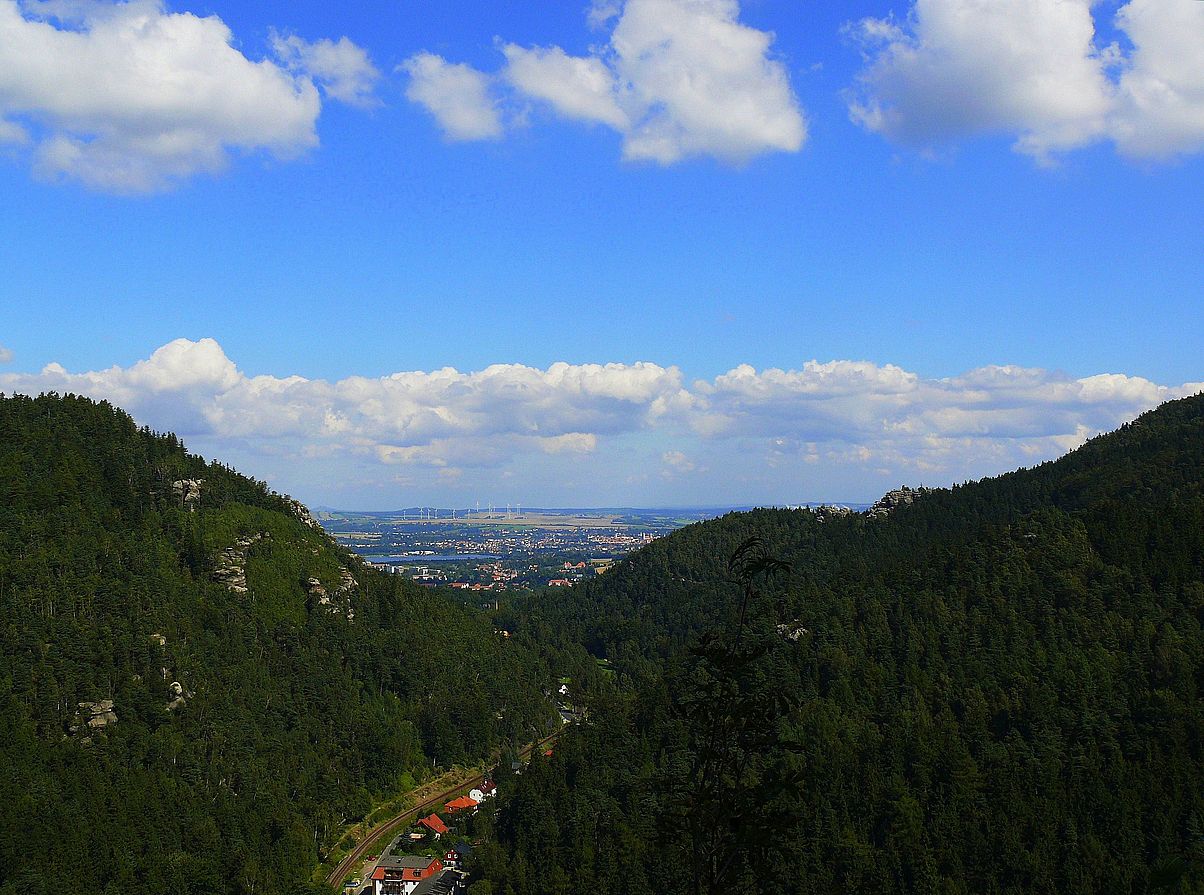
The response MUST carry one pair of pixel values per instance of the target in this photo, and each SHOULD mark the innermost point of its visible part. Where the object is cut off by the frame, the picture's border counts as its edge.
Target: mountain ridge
(994, 688)
(198, 689)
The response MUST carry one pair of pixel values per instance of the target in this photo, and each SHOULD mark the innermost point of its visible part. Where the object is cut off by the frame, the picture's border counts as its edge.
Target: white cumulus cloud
(6, 355)
(676, 78)
(1160, 109)
(701, 83)
(343, 69)
(960, 67)
(128, 97)
(576, 86)
(1035, 70)
(456, 94)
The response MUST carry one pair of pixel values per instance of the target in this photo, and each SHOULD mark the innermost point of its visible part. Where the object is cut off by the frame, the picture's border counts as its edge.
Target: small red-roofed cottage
(435, 824)
(464, 803)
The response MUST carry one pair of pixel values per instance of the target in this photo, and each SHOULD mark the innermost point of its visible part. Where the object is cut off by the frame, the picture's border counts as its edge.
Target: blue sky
(962, 239)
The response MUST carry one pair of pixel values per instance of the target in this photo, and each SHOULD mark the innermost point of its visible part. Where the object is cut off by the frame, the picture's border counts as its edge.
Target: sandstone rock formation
(301, 511)
(232, 563)
(340, 600)
(94, 717)
(188, 492)
(826, 512)
(892, 500)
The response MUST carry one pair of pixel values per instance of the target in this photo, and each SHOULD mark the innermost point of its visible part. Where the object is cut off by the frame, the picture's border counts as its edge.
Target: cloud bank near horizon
(581, 432)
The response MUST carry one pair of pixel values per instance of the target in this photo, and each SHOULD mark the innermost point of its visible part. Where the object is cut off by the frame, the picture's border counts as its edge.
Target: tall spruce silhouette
(732, 782)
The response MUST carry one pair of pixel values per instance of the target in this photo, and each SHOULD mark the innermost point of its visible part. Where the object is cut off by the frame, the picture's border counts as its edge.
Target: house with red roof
(433, 823)
(400, 875)
(464, 803)
(486, 790)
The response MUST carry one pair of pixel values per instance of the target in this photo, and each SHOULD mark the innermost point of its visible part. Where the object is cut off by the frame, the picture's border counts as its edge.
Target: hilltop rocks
(232, 563)
(301, 511)
(892, 500)
(825, 512)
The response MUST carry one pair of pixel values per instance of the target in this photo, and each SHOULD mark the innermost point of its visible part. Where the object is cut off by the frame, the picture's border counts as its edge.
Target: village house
(400, 875)
(433, 823)
(464, 803)
(486, 790)
(455, 856)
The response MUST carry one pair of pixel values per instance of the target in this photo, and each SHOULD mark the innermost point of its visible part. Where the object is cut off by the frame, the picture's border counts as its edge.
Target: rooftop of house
(412, 862)
(439, 884)
(434, 822)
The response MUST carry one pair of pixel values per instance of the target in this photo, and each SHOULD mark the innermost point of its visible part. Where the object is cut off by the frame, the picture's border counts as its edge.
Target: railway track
(357, 854)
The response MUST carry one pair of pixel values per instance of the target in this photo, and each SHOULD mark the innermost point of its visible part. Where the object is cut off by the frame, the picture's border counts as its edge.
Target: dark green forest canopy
(309, 685)
(994, 689)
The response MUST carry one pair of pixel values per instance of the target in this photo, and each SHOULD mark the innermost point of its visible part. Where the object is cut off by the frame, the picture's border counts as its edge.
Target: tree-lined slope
(995, 688)
(246, 686)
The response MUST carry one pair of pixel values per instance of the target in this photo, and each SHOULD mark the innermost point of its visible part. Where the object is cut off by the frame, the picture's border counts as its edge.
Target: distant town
(499, 549)
(502, 549)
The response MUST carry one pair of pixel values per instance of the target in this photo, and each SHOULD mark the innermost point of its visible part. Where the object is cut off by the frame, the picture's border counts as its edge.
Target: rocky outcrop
(825, 512)
(892, 500)
(188, 492)
(340, 600)
(347, 584)
(178, 700)
(301, 511)
(792, 631)
(232, 563)
(94, 717)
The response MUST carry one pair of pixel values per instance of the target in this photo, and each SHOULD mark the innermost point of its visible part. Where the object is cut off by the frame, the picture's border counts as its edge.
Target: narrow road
(356, 855)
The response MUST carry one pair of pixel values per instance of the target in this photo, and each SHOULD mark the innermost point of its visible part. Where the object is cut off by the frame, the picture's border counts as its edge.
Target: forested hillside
(996, 688)
(197, 689)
